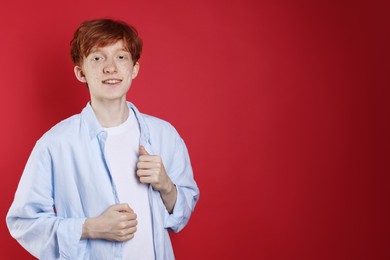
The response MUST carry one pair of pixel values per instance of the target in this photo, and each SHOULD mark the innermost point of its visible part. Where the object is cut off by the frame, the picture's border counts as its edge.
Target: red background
(284, 106)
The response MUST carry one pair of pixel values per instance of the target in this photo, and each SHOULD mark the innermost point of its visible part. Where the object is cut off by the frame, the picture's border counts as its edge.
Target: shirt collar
(94, 127)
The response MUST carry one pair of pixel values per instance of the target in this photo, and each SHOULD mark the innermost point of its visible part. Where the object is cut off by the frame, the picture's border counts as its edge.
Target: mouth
(111, 81)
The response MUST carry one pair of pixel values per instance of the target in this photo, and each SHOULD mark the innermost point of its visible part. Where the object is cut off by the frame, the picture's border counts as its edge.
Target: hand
(151, 171)
(117, 223)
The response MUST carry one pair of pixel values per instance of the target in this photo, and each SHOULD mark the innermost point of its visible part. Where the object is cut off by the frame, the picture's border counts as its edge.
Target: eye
(96, 57)
(123, 56)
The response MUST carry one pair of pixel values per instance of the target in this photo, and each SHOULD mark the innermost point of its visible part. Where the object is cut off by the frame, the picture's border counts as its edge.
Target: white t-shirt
(122, 150)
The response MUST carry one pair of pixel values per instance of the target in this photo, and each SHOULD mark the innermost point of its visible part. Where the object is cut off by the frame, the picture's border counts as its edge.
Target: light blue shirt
(67, 179)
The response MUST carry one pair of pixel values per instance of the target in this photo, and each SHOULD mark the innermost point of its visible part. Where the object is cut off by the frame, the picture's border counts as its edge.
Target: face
(108, 71)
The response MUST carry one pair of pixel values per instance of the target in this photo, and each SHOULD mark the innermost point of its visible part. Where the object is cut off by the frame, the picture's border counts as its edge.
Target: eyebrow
(98, 49)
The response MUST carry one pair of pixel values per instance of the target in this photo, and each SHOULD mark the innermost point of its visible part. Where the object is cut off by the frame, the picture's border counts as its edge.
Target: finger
(125, 225)
(147, 172)
(132, 230)
(146, 180)
(148, 165)
(127, 231)
(124, 207)
(125, 216)
(126, 237)
(142, 151)
(132, 223)
(149, 158)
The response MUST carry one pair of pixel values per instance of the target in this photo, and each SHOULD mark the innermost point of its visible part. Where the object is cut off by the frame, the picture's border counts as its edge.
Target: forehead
(116, 46)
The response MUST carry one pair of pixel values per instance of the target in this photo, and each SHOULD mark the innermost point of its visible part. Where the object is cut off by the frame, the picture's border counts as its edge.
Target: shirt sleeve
(32, 220)
(181, 174)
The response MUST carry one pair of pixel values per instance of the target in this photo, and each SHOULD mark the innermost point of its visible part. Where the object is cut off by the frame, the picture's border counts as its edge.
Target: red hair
(103, 32)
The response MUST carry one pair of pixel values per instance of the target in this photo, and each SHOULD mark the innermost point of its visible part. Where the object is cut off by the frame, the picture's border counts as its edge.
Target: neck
(110, 114)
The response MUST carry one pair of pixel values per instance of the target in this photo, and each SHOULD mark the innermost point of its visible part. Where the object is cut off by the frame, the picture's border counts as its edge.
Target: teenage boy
(110, 182)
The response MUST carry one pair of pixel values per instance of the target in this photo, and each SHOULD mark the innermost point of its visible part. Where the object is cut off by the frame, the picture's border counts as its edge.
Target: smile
(112, 81)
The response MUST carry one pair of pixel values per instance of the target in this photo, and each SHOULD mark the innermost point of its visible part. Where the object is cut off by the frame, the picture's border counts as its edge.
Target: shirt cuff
(179, 217)
(68, 234)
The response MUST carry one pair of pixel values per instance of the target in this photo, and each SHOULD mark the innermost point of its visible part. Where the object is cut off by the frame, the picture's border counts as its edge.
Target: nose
(110, 67)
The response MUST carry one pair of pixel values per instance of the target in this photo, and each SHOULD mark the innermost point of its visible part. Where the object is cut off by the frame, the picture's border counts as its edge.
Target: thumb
(142, 151)
(124, 207)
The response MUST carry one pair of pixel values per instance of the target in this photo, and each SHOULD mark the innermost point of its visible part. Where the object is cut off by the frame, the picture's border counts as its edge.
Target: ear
(79, 74)
(135, 70)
